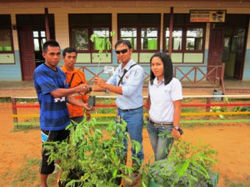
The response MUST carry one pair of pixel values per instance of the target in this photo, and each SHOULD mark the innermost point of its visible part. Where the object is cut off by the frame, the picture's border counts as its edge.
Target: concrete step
(237, 90)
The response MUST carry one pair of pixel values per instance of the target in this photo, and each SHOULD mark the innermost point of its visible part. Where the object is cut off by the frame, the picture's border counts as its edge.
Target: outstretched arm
(101, 85)
(63, 92)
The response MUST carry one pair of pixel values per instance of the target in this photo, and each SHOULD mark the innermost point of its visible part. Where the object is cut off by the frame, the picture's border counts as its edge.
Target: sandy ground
(231, 142)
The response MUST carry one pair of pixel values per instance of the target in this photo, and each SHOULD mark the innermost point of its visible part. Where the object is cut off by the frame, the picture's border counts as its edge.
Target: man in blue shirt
(53, 93)
(127, 81)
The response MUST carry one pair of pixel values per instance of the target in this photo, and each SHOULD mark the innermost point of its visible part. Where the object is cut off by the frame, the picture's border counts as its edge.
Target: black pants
(52, 137)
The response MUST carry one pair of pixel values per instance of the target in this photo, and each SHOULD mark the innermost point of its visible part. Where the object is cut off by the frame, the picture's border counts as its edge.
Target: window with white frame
(129, 34)
(80, 38)
(187, 39)
(6, 44)
(5, 34)
(149, 38)
(177, 39)
(194, 39)
(82, 26)
(142, 30)
(39, 38)
(102, 42)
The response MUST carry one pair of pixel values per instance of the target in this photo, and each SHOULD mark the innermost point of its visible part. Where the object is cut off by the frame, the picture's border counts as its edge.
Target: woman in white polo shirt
(164, 102)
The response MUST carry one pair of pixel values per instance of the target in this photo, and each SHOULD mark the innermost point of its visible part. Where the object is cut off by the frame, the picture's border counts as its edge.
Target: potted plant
(91, 156)
(186, 165)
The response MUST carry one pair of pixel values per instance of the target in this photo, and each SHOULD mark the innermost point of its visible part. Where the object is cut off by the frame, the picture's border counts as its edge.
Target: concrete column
(114, 28)
(14, 31)
(62, 28)
(162, 32)
(207, 37)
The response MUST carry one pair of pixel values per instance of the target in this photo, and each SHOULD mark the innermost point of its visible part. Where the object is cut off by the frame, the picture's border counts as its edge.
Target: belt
(160, 124)
(128, 110)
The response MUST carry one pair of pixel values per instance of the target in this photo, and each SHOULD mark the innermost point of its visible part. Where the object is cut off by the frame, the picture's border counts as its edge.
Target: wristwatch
(178, 129)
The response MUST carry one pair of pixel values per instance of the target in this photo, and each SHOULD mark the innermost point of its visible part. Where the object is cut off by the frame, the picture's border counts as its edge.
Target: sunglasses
(122, 51)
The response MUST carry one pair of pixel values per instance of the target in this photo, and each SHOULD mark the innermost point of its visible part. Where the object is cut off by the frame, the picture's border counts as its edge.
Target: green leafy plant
(91, 157)
(103, 45)
(186, 165)
(220, 108)
(241, 109)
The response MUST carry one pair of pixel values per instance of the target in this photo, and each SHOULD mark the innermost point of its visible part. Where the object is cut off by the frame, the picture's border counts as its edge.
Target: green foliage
(26, 172)
(90, 158)
(102, 44)
(27, 100)
(220, 109)
(244, 182)
(241, 109)
(186, 165)
(5, 99)
(26, 175)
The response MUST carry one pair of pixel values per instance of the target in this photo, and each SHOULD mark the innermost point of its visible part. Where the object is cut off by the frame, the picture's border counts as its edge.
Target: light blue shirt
(131, 84)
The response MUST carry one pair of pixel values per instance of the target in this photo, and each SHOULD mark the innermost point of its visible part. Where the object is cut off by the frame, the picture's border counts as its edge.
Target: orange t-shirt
(79, 77)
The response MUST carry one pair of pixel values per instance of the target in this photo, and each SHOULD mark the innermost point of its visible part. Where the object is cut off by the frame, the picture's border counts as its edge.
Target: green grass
(27, 175)
(27, 100)
(232, 183)
(191, 109)
(25, 128)
(5, 99)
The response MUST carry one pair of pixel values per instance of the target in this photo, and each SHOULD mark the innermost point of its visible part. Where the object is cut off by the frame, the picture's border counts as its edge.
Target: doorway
(32, 36)
(215, 49)
(234, 47)
(234, 52)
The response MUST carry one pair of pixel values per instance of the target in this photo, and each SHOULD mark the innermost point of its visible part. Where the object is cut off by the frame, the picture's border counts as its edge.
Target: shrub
(186, 165)
(91, 157)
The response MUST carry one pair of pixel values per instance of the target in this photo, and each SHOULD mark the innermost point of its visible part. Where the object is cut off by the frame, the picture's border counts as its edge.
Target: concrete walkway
(26, 89)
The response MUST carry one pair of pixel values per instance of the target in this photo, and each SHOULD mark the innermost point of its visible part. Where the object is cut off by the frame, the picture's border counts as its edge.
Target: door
(31, 34)
(215, 48)
(239, 41)
(234, 52)
(26, 52)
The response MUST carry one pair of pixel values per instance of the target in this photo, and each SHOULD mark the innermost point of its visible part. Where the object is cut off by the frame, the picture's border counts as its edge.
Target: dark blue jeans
(161, 140)
(134, 120)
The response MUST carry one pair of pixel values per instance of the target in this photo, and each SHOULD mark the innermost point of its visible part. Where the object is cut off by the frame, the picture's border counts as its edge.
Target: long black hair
(167, 65)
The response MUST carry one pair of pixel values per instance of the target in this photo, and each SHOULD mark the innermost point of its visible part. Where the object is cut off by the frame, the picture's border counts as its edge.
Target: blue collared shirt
(131, 84)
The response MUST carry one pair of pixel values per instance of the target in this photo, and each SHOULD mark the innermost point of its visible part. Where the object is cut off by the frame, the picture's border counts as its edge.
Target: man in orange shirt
(75, 77)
